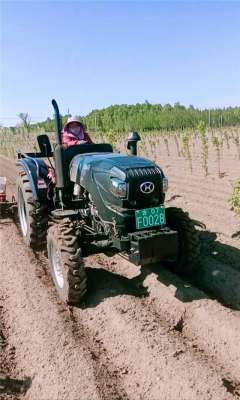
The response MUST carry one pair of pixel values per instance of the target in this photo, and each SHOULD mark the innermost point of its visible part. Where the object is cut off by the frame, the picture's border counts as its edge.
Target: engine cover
(143, 178)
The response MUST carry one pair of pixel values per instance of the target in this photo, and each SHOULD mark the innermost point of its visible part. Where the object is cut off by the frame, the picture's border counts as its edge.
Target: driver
(74, 132)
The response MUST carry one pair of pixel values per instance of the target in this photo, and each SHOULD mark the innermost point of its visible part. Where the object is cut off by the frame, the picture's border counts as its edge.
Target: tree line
(149, 117)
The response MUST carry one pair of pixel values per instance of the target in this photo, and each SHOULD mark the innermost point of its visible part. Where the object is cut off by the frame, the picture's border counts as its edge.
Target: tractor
(100, 199)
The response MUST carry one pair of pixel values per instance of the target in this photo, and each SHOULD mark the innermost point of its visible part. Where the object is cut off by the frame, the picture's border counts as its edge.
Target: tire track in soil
(219, 281)
(226, 227)
(10, 384)
(108, 378)
(185, 307)
(70, 364)
(149, 322)
(223, 250)
(122, 369)
(164, 349)
(96, 348)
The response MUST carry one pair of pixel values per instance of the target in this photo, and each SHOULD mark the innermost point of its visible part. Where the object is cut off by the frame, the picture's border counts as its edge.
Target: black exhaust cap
(133, 138)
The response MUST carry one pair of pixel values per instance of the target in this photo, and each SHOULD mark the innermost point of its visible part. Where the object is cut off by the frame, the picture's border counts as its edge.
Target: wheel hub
(22, 213)
(57, 267)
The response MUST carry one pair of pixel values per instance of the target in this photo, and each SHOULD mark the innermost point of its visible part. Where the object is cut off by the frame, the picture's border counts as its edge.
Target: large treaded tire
(33, 216)
(66, 263)
(188, 260)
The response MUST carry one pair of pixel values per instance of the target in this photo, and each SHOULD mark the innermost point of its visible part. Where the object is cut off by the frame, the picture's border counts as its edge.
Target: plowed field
(142, 333)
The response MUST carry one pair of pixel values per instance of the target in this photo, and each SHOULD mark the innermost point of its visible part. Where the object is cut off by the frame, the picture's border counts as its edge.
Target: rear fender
(36, 171)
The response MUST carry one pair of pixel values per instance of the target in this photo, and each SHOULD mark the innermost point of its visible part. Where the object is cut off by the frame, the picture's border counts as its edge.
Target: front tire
(65, 262)
(188, 258)
(33, 216)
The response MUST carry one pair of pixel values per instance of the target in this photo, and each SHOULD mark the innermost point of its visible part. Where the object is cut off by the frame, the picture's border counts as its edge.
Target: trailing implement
(7, 208)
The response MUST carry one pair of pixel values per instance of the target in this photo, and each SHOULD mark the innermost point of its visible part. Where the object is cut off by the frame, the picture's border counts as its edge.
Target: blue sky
(90, 55)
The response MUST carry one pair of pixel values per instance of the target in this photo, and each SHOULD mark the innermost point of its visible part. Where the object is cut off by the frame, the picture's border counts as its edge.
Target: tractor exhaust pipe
(133, 138)
(58, 122)
(58, 148)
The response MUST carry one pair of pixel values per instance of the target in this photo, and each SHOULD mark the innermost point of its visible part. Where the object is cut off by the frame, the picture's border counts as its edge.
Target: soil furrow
(100, 370)
(196, 192)
(215, 223)
(181, 305)
(143, 349)
(45, 350)
(10, 383)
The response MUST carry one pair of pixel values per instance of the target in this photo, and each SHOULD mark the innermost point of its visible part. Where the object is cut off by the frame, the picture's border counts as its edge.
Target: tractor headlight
(118, 187)
(165, 184)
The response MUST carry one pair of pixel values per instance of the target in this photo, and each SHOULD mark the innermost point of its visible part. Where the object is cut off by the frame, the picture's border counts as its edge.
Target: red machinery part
(3, 198)
(3, 185)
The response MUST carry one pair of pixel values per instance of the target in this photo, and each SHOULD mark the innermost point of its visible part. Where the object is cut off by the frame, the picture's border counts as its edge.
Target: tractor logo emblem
(147, 187)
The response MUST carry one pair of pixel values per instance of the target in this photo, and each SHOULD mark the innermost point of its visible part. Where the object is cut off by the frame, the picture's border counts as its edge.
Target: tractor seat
(71, 151)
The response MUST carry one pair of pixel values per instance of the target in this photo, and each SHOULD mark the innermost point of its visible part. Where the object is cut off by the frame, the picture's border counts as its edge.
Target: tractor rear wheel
(188, 258)
(33, 216)
(66, 263)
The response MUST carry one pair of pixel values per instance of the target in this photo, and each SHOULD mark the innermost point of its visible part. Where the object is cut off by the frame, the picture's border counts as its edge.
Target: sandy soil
(142, 333)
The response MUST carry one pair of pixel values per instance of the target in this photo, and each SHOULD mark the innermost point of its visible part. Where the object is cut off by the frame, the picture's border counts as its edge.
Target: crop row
(188, 144)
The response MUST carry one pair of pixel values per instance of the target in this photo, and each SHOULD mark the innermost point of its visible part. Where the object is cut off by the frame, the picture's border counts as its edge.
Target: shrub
(204, 141)
(186, 148)
(217, 144)
(235, 199)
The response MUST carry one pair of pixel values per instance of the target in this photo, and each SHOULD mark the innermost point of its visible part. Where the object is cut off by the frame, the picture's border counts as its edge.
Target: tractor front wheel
(65, 262)
(188, 257)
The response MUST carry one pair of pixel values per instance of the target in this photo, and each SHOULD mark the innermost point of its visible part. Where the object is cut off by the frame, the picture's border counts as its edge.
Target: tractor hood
(84, 166)
(95, 172)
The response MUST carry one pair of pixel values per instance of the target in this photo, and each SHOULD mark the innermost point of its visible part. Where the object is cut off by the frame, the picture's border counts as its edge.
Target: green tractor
(102, 198)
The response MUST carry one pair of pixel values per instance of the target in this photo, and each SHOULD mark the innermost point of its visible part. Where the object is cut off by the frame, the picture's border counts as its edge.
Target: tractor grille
(143, 172)
(138, 175)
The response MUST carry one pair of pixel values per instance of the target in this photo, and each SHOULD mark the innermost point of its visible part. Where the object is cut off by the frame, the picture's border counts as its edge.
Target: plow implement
(7, 208)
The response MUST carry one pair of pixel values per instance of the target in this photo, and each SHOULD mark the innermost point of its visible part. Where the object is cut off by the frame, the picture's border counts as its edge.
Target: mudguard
(36, 170)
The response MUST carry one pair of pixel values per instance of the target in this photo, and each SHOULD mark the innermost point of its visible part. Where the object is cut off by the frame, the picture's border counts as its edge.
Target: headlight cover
(118, 188)
(165, 184)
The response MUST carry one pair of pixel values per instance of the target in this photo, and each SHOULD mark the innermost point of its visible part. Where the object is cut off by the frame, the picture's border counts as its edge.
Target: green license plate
(150, 217)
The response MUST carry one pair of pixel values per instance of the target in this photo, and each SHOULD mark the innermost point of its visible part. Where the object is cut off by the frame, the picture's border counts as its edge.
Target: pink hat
(70, 120)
